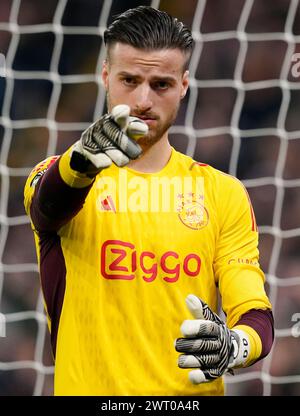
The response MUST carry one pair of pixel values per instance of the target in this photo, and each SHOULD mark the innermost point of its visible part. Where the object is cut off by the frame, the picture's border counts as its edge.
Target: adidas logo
(107, 204)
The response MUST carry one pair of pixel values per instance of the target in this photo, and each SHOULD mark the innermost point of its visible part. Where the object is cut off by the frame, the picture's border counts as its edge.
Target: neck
(154, 158)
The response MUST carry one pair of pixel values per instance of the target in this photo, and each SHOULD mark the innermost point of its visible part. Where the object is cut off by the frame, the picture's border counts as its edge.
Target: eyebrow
(155, 78)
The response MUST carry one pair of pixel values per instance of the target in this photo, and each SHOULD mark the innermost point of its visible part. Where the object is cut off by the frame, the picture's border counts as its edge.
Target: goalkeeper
(133, 262)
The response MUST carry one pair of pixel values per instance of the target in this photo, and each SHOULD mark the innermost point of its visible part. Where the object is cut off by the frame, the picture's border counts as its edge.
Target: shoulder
(224, 186)
(229, 182)
(217, 177)
(39, 170)
(229, 194)
(35, 175)
(193, 166)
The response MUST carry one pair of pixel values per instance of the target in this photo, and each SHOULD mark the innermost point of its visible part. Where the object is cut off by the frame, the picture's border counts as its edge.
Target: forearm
(259, 326)
(59, 195)
(60, 192)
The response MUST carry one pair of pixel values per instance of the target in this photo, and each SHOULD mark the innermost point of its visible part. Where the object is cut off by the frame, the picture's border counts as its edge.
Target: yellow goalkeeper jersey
(140, 244)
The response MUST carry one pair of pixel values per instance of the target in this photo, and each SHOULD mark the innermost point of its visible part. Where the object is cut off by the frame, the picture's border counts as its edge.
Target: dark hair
(147, 28)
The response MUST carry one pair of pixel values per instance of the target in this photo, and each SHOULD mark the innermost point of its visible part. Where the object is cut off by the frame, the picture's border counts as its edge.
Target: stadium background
(241, 116)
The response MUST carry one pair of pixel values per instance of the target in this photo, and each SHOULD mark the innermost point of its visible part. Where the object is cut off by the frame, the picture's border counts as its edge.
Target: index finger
(194, 328)
(121, 140)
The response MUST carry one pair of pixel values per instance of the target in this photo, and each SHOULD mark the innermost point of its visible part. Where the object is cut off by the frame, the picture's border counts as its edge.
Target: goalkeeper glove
(209, 345)
(109, 139)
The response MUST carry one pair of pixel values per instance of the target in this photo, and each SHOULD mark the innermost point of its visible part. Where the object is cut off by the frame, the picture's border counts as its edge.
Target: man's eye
(161, 85)
(129, 81)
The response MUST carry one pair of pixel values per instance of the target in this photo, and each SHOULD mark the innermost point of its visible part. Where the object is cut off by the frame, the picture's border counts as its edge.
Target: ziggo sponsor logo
(120, 260)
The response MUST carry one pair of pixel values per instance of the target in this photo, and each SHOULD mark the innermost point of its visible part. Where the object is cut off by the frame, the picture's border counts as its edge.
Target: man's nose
(143, 98)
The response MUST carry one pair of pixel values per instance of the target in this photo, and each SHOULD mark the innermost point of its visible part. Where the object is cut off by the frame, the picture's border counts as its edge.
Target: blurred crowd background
(268, 161)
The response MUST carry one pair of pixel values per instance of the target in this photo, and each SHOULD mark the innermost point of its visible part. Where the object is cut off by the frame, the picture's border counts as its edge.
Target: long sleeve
(54, 193)
(236, 264)
(259, 326)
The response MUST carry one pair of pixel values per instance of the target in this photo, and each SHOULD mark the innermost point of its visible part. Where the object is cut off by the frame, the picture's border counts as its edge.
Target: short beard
(150, 139)
(153, 137)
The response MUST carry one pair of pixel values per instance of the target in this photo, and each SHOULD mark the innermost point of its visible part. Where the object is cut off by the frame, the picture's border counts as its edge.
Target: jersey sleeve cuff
(255, 349)
(71, 177)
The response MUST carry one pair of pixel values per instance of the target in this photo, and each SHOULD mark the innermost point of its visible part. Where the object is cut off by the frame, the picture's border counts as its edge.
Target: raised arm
(56, 189)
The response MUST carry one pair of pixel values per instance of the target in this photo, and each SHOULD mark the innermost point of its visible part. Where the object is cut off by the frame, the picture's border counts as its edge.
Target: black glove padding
(209, 345)
(108, 140)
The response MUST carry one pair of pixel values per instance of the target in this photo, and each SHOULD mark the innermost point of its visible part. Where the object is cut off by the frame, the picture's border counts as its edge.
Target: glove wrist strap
(241, 348)
(79, 163)
(71, 177)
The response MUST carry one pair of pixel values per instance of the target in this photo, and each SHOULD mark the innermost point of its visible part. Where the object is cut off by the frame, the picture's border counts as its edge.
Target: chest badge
(192, 212)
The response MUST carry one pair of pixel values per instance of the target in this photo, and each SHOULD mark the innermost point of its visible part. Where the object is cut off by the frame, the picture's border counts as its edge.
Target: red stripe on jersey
(253, 220)
(198, 164)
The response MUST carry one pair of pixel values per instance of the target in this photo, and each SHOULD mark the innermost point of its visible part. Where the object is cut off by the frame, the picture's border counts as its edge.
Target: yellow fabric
(129, 271)
(255, 343)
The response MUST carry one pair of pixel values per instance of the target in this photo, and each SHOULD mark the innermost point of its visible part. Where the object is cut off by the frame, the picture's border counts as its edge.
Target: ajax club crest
(192, 212)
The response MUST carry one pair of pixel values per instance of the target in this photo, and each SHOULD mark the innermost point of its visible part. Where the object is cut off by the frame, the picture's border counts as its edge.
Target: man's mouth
(145, 116)
(148, 119)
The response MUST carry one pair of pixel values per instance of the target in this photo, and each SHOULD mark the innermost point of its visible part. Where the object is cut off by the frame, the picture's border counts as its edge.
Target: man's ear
(104, 74)
(185, 84)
